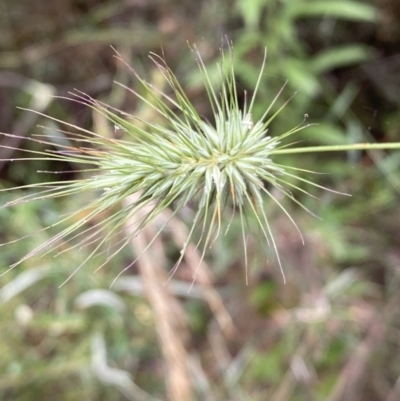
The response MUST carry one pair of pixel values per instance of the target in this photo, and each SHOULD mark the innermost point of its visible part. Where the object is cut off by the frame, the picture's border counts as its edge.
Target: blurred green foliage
(294, 342)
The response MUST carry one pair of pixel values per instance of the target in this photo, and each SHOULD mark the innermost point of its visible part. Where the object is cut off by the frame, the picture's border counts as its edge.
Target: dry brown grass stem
(169, 317)
(203, 276)
(354, 375)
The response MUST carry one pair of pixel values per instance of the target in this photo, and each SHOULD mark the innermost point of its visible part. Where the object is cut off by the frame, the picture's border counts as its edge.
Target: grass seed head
(166, 165)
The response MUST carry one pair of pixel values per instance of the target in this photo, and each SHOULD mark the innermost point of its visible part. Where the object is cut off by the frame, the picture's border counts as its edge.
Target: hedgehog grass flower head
(226, 162)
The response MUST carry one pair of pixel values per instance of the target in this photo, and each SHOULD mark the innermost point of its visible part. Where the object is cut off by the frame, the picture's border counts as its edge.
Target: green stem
(338, 148)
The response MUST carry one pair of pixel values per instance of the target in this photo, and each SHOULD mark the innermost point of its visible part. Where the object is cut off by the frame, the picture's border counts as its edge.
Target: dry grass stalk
(169, 318)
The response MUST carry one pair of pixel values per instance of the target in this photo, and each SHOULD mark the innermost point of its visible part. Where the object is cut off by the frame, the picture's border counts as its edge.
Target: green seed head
(225, 162)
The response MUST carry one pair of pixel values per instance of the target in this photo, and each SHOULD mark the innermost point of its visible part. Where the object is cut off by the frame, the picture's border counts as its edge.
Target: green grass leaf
(346, 10)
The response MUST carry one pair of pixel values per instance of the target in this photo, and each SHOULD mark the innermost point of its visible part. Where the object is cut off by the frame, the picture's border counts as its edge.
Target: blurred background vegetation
(332, 333)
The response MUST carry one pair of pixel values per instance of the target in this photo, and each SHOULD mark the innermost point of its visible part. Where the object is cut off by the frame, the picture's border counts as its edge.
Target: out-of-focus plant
(71, 335)
(275, 24)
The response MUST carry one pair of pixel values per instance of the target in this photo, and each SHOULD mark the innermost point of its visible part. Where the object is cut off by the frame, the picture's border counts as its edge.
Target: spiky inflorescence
(168, 165)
